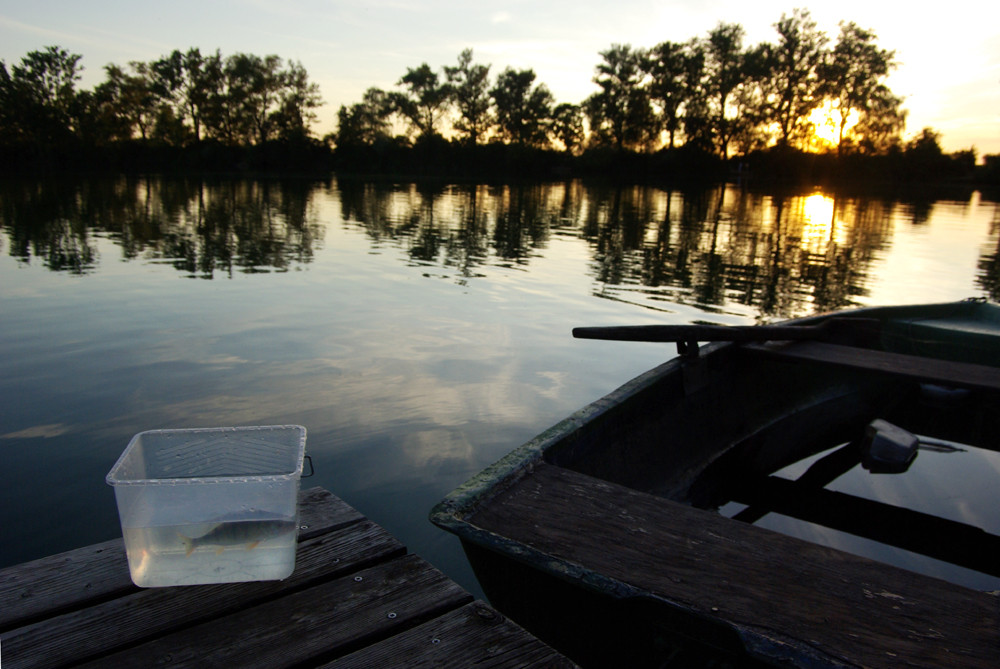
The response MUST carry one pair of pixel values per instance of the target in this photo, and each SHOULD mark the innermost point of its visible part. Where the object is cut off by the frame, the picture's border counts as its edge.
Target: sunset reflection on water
(418, 331)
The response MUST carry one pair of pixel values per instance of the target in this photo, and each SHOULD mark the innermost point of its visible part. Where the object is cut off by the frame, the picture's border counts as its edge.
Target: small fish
(249, 532)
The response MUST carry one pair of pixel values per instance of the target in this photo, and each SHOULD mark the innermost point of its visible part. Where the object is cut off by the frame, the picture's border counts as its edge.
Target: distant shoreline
(454, 160)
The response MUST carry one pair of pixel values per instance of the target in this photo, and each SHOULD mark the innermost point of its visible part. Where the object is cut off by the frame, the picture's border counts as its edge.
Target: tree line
(667, 107)
(673, 108)
(178, 99)
(714, 92)
(181, 100)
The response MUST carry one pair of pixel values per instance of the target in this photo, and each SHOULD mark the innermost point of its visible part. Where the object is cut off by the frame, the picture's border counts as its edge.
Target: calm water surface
(418, 332)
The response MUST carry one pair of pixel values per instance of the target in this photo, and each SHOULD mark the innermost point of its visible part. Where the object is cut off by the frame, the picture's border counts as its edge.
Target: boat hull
(685, 433)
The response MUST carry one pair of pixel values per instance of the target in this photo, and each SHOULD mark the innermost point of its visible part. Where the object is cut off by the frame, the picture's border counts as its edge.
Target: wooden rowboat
(603, 535)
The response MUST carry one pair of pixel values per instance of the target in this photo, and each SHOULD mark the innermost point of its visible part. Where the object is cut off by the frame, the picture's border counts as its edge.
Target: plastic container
(215, 505)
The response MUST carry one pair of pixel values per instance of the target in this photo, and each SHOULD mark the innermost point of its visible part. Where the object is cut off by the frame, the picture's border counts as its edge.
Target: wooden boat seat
(932, 370)
(771, 589)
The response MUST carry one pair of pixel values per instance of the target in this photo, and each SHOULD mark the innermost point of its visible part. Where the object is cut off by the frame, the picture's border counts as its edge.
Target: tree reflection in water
(201, 228)
(779, 253)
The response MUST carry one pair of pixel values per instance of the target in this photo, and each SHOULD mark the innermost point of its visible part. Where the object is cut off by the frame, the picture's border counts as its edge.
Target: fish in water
(238, 533)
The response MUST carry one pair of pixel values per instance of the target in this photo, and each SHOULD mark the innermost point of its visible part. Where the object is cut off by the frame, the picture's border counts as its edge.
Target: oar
(735, 333)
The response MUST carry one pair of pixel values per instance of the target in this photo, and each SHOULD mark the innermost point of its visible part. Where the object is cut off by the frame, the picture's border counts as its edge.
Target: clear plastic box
(211, 505)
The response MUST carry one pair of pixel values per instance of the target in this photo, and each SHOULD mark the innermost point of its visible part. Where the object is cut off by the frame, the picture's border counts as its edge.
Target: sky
(948, 74)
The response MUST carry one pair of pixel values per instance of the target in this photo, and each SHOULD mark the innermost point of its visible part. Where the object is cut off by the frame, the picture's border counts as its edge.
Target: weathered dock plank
(92, 574)
(316, 622)
(775, 591)
(353, 586)
(474, 635)
(143, 614)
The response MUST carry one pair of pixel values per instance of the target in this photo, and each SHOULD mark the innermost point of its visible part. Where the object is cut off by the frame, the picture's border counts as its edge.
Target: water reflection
(780, 254)
(201, 228)
(408, 385)
(989, 260)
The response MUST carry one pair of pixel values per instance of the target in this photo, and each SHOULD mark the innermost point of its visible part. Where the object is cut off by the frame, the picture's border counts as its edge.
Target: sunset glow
(818, 222)
(349, 47)
(824, 122)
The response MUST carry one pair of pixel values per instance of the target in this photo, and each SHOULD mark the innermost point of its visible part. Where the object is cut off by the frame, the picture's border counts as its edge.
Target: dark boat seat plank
(775, 591)
(931, 370)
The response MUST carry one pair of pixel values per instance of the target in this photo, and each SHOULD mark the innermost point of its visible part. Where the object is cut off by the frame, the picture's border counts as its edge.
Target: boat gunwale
(451, 512)
(454, 513)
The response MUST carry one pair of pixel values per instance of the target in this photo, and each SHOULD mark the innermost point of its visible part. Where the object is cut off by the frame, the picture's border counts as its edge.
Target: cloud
(38, 432)
(500, 17)
(74, 40)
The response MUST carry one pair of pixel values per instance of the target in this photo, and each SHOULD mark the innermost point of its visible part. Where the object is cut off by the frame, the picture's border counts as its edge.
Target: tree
(794, 68)
(424, 99)
(253, 86)
(748, 127)
(924, 158)
(852, 79)
(927, 142)
(523, 109)
(621, 110)
(675, 73)
(49, 77)
(365, 122)
(469, 90)
(8, 117)
(189, 82)
(40, 95)
(567, 126)
(880, 128)
(698, 122)
(132, 100)
(297, 99)
(724, 70)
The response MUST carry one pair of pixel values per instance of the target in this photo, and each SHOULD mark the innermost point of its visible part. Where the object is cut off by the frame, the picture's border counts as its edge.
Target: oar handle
(673, 333)
(696, 333)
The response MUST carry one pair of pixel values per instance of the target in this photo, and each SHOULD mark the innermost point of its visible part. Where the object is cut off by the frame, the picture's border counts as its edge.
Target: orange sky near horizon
(948, 74)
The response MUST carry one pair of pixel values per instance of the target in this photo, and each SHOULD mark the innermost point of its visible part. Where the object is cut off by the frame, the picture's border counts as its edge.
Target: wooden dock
(356, 599)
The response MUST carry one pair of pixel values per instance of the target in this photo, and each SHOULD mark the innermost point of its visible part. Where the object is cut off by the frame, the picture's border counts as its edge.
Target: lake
(418, 331)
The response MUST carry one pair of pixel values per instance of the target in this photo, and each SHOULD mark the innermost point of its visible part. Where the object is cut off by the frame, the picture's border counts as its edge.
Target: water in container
(214, 505)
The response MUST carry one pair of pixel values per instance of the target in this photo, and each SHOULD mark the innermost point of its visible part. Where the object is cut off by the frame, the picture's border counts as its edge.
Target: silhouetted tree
(567, 126)
(620, 112)
(924, 157)
(131, 98)
(189, 82)
(365, 122)
(724, 71)
(8, 117)
(424, 99)
(675, 74)
(794, 68)
(39, 96)
(252, 89)
(297, 100)
(749, 126)
(469, 89)
(880, 128)
(852, 79)
(523, 108)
